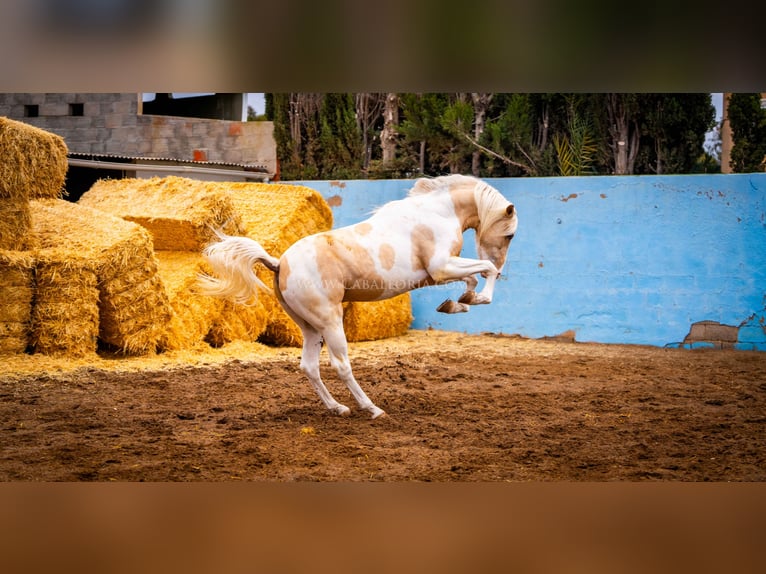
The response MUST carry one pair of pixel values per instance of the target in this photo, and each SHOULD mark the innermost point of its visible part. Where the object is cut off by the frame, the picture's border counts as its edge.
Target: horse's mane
(427, 185)
(490, 203)
(491, 206)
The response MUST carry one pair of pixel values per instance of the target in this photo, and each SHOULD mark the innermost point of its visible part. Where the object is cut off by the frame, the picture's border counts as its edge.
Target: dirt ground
(460, 408)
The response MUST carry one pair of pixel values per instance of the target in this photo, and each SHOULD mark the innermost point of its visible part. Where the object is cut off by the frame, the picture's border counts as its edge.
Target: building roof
(141, 159)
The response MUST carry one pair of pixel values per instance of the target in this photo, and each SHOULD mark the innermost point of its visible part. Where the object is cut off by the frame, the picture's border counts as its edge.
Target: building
(136, 135)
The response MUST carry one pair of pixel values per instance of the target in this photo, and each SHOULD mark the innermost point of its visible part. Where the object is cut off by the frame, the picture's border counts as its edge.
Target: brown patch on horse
(283, 274)
(465, 205)
(423, 247)
(387, 256)
(363, 228)
(457, 245)
(346, 265)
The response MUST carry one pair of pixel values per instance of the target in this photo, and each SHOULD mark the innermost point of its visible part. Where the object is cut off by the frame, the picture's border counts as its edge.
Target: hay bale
(198, 318)
(33, 162)
(17, 288)
(238, 323)
(65, 311)
(373, 320)
(15, 221)
(276, 216)
(133, 306)
(178, 212)
(192, 313)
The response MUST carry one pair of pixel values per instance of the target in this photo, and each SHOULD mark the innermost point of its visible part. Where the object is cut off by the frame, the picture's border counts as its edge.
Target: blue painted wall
(633, 259)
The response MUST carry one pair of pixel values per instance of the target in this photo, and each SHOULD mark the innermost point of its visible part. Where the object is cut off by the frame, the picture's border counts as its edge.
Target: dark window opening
(31, 111)
(76, 109)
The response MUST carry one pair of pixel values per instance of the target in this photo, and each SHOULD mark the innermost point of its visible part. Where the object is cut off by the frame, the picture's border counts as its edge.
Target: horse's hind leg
(337, 346)
(312, 347)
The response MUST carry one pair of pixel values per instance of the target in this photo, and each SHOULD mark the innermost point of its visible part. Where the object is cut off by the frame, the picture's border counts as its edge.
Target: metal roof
(143, 159)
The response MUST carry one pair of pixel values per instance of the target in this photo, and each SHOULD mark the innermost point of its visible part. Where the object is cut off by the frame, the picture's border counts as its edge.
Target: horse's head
(494, 238)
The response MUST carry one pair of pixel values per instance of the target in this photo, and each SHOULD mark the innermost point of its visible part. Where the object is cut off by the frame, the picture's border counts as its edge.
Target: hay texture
(65, 311)
(192, 313)
(17, 288)
(373, 320)
(33, 162)
(179, 213)
(15, 222)
(133, 309)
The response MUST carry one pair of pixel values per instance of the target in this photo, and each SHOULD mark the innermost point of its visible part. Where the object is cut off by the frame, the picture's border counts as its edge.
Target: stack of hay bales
(103, 283)
(33, 164)
(17, 288)
(180, 215)
(121, 265)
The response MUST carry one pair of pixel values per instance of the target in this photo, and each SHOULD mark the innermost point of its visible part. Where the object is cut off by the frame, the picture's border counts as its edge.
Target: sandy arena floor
(460, 408)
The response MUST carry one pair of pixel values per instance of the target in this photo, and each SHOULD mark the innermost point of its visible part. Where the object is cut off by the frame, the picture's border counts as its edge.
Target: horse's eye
(510, 237)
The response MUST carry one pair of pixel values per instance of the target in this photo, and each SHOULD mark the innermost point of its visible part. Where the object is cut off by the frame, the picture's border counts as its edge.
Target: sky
(257, 102)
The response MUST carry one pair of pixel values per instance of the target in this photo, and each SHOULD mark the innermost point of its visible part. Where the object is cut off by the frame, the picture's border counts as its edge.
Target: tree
(748, 127)
(369, 113)
(340, 140)
(422, 129)
(481, 102)
(516, 136)
(624, 130)
(673, 128)
(576, 148)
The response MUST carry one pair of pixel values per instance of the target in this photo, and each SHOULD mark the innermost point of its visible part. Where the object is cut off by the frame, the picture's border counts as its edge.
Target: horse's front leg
(484, 297)
(461, 269)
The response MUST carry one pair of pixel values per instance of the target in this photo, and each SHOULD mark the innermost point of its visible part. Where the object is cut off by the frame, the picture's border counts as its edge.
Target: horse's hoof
(378, 413)
(450, 306)
(468, 297)
(342, 410)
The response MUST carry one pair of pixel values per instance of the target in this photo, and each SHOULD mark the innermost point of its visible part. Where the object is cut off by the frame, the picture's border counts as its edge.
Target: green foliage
(340, 139)
(748, 126)
(576, 150)
(320, 136)
(673, 128)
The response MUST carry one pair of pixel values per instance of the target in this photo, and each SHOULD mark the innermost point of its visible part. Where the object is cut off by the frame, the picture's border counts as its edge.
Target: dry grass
(372, 320)
(15, 221)
(179, 213)
(65, 312)
(193, 314)
(133, 309)
(17, 288)
(33, 162)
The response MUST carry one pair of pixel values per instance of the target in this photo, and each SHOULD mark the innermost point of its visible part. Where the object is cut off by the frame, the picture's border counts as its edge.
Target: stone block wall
(111, 124)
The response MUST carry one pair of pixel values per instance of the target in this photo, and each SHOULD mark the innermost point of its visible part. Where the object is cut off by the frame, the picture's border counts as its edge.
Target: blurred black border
(400, 46)
(390, 45)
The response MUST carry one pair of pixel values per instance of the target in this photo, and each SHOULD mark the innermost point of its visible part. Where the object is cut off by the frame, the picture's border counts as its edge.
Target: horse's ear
(509, 210)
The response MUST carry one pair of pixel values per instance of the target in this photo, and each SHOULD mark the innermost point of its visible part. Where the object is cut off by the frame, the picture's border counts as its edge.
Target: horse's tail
(232, 260)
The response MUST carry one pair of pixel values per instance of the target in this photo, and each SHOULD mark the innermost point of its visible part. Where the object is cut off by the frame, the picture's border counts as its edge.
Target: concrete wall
(658, 260)
(111, 124)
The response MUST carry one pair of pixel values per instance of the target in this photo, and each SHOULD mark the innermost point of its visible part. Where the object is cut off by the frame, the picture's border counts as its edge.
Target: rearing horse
(406, 244)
